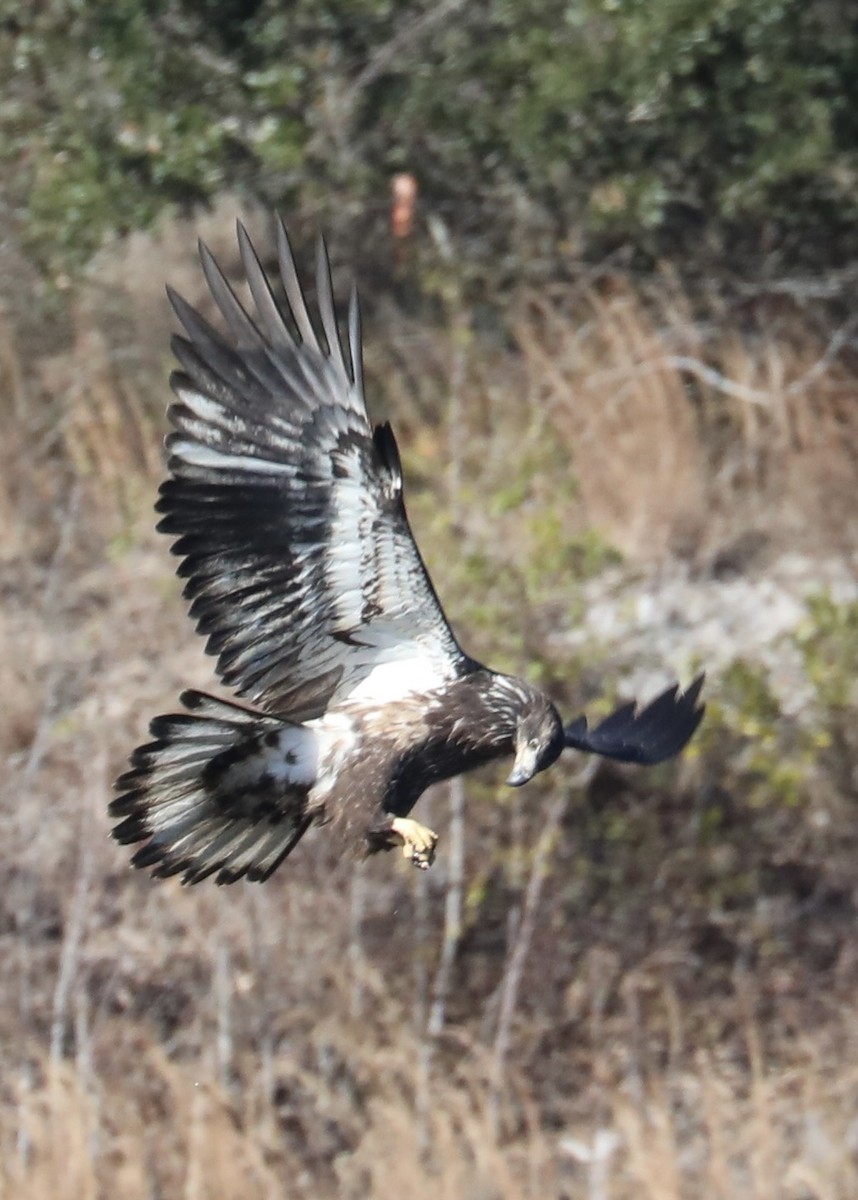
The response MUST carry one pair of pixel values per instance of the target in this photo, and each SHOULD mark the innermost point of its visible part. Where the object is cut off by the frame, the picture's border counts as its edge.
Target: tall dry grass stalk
(105, 428)
(718, 1132)
(684, 431)
(625, 415)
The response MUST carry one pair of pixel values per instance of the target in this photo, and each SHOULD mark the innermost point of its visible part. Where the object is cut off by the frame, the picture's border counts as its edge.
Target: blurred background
(607, 252)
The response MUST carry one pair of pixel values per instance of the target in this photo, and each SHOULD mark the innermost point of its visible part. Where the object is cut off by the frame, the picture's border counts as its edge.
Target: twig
(802, 290)
(433, 1025)
(518, 954)
(452, 909)
(624, 376)
(715, 379)
(74, 931)
(406, 36)
(520, 947)
(50, 606)
(357, 966)
(182, 33)
(753, 395)
(23, 1138)
(838, 341)
(223, 1004)
(422, 1105)
(708, 375)
(86, 1070)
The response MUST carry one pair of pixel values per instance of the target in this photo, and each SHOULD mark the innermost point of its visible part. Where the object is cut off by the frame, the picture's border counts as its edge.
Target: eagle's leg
(418, 843)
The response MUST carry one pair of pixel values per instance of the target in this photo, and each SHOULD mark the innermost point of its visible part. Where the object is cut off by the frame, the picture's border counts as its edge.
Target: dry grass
(273, 1042)
(241, 1088)
(624, 414)
(685, 432)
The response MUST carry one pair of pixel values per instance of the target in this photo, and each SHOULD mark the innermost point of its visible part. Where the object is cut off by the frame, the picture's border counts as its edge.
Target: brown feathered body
(227, 791)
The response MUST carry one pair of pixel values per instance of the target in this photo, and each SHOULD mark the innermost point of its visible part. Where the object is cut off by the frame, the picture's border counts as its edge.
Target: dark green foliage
(533, 126)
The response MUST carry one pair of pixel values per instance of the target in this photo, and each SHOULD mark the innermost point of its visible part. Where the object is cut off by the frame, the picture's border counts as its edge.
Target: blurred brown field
(592, 995)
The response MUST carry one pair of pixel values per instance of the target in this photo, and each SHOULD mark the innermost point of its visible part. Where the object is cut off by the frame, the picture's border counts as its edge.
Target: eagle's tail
(221, 788)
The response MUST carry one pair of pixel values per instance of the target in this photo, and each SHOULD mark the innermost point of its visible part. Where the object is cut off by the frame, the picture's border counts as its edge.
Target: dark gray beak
(524, 768)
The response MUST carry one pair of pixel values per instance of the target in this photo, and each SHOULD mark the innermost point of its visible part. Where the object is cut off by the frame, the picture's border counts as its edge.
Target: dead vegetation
(594, 1003)
(686, 432)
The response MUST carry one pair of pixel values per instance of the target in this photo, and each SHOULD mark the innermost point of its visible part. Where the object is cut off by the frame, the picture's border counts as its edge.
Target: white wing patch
(198, 455)
(204, 407)
(351, 537)
(397, 676)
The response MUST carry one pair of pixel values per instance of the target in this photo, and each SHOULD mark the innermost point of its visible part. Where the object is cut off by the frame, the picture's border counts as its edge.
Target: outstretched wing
(650, 736)
(302, 570)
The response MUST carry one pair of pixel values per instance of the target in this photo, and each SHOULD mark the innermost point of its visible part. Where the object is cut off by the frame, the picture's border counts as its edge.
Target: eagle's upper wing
(302, 570)
(645, 736)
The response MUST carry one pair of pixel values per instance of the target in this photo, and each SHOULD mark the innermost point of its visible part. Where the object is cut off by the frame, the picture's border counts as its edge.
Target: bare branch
(75, 927)
(518, 954)
(405, 38)
(452, 909)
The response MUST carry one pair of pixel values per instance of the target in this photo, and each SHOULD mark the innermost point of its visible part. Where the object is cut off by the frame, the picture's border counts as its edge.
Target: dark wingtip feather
(355, 346)
(293, 289)
(646, 736)
(327, 311)
(267, 307)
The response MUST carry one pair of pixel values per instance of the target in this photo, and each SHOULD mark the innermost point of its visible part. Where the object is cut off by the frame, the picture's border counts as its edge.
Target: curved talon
(418, 842)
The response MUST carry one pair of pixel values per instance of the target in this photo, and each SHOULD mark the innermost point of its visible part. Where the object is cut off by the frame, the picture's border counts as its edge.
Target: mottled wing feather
(648, 736)
(214, 793)
(286, 507)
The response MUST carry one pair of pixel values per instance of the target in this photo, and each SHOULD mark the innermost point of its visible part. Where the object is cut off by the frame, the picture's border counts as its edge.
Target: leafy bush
(534, 126)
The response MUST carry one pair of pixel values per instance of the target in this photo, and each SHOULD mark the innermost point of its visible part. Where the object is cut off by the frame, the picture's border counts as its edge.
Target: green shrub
(528, 123)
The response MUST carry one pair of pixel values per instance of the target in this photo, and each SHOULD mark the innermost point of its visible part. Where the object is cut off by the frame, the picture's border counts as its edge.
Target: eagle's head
(538, 738)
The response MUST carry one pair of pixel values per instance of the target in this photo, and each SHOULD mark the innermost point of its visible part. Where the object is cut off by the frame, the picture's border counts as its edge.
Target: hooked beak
(524, 768)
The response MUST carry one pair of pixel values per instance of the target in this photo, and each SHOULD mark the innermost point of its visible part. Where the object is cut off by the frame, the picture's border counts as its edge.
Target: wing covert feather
(287, 506)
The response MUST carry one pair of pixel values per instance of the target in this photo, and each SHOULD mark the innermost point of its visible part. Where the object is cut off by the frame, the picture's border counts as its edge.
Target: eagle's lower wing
(302, 569)
(645, 736)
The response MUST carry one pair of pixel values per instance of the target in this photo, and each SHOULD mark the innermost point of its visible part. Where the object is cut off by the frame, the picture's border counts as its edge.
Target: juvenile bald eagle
(287, 510)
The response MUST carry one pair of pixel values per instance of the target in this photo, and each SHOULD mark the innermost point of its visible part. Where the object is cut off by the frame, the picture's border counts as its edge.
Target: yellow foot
(418, 842)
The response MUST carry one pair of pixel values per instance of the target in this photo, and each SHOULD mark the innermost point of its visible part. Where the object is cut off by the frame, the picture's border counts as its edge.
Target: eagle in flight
(303, 575)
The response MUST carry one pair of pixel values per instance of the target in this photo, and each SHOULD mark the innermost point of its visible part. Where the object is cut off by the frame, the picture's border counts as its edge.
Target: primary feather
(287, 507)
